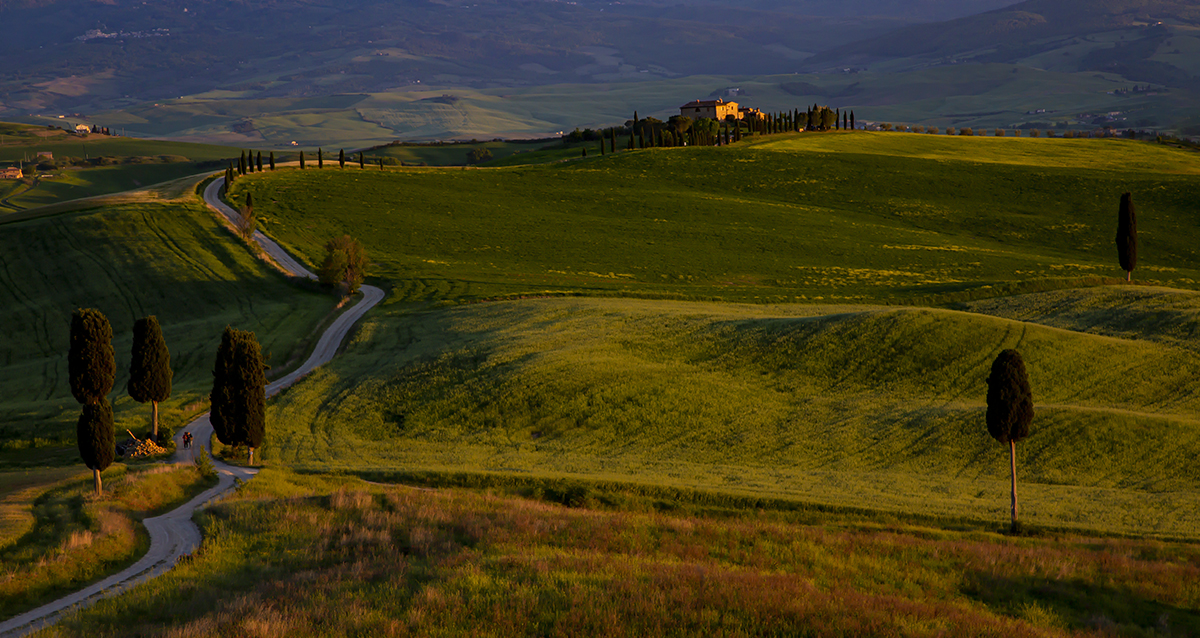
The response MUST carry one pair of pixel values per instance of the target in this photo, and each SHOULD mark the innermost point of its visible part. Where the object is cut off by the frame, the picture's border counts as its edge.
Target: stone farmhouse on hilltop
(11, 172)
(719, 110)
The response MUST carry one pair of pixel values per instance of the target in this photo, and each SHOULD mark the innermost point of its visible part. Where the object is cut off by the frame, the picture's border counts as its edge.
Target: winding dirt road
(173, 535)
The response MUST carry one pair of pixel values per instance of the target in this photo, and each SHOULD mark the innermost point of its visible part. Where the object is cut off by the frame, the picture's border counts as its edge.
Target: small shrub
(204, 464)
(477, 155)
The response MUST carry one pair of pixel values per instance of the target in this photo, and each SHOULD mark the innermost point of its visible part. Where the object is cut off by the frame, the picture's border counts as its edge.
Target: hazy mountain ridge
(1014, 28)
(321, 47)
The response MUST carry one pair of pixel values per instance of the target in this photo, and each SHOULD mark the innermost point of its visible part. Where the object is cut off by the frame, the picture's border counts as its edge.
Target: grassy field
(333, 557)
(503, 152)
(65, 185)
(797, 218)
(70, 538)
(127, 164)
(849, 406)
(152, 256)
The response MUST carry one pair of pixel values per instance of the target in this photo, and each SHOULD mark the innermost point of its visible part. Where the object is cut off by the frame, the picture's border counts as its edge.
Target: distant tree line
(681, 130)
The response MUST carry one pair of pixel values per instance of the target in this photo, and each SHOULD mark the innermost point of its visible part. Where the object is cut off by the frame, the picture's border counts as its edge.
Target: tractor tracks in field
(174, 536)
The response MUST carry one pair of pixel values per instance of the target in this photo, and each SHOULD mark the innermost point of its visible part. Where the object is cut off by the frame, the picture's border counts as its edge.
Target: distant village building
(45, 155)
(717, 109)
(83, 129)
(11, 172)
(747, 112)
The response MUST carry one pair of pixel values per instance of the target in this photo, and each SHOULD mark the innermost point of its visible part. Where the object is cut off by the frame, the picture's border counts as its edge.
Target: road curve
(173, 535)
(212, 197)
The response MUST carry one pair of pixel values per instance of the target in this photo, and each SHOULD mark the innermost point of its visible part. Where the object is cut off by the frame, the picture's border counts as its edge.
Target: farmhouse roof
(695, 103)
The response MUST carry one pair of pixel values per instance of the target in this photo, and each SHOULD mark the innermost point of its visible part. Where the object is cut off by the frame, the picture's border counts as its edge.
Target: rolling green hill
(851, 405)
(166, 258)
(861, 407)
(92, 165)
(846, 217)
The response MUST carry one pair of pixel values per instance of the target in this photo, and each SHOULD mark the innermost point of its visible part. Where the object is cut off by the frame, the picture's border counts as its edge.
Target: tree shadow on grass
(1079, 604)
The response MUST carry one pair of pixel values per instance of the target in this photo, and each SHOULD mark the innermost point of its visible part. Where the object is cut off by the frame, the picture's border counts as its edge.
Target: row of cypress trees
(238, 395)
(92, 368)
(650, 132)
(246, 163)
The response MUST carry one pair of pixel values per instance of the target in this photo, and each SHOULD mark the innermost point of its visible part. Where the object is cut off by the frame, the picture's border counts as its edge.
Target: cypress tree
(95, 437)
(381, 163)
(613, 138)
(301, 160)
(260, 161)
(602, 145)
(241, 167)
(1127, 235)
(91, 366)
(1009, 409)
(853, 126)
(320, 158)
(362, 161)
(837, 119)
(342, 158)
(845, 120)
(238, 395)
(272, 160)
(250, 162)
(149, 367)
(631, 140)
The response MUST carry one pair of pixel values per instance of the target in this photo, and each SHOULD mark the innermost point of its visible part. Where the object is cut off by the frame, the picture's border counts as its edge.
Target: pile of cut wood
(134, 447)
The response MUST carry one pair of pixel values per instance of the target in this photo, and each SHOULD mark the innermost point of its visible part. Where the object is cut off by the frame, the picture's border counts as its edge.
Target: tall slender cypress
(242, 163)
(91, 370)
(301, 160)
(342, 158)
(1009, 409)
(96, 438)
(320, 158)
(362, 161)
(260, 161)
(272, 160)
(853, 126)
(1127, 235)
(150, 367)
(238, 394)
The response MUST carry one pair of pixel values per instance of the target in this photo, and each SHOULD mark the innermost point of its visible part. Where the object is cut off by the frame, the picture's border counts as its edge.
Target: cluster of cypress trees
(650, 132)
(92, 371)
(238, 413)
